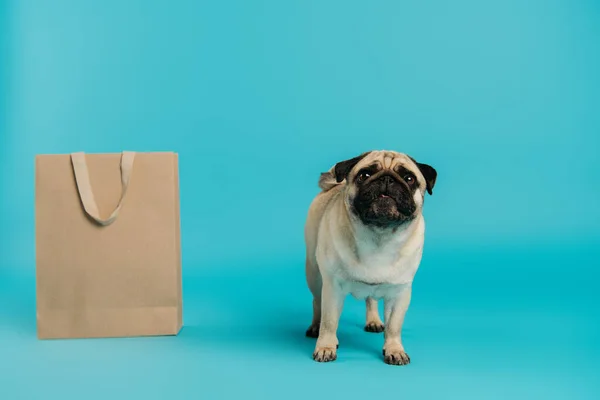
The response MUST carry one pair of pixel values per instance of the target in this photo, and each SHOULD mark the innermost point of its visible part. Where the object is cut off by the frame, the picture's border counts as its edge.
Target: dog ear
(343, 168)
(429, 173)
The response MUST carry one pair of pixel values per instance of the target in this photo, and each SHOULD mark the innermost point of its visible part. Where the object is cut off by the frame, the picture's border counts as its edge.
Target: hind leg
(315, 284)
(374, 323)
(313, 329)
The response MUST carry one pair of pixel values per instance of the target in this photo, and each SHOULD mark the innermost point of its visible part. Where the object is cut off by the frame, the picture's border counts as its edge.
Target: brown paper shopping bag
(108, 256)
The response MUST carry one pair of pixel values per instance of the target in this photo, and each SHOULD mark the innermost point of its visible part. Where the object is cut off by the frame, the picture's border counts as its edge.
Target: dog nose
(387, 179)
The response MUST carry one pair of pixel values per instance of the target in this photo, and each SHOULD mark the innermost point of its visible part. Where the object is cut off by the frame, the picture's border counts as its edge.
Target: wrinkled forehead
(390, 160)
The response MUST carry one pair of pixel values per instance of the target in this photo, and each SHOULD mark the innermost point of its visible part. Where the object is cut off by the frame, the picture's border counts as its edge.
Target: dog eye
(409, 179)
(363, 176)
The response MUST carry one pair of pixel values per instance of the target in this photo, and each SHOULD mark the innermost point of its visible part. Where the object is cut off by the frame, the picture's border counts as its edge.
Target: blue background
(259, 97)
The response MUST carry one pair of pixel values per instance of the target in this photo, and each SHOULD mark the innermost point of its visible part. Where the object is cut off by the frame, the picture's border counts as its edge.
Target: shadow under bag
(108, 252)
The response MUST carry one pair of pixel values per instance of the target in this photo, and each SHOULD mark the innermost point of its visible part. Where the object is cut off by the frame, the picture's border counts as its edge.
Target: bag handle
(82, 177)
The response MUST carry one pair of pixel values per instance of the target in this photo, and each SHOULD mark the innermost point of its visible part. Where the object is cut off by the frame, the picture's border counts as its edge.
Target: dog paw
(325, 354)
(313, 331)
(374, 327)
(396, 357)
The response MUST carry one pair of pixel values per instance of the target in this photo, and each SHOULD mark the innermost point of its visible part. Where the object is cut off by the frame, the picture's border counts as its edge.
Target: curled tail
(327, 180)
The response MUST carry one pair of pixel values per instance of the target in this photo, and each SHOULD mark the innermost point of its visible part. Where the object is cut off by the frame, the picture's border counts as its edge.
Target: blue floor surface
(486, 324)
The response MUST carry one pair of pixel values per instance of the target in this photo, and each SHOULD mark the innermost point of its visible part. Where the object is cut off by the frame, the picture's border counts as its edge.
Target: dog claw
(325, 354)
(396, 357)
(374, 327)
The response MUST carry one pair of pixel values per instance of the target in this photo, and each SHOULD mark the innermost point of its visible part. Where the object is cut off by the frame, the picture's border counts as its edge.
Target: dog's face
(385, 189)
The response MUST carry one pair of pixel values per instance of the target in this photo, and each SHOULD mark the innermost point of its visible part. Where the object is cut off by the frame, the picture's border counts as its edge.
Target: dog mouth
(386, 204)
(385, 209)
(385, 198)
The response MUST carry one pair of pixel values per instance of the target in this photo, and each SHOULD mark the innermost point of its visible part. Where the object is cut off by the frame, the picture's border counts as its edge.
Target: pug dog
(364, 237)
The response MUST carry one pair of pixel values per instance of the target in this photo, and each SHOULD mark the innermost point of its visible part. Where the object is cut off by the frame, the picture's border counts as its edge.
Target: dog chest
(380, 270)
(361, 291)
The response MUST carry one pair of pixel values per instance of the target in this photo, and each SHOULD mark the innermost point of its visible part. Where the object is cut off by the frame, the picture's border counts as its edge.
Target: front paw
(325, 354)
(375, 327)
(395, 357)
